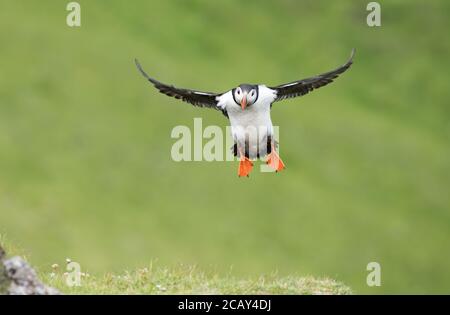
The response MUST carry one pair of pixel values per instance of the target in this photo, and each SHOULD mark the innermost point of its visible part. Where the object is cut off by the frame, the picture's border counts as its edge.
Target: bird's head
(245, 95)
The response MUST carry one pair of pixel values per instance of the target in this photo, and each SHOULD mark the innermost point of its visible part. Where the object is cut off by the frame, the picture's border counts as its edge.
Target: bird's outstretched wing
(302, 87)
(196, 98)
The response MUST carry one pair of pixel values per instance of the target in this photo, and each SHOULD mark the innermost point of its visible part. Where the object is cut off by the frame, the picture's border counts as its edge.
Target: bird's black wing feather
(302, 87)
(196, 98)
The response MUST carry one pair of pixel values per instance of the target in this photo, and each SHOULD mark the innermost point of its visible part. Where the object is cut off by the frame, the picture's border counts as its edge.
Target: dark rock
(18, 278)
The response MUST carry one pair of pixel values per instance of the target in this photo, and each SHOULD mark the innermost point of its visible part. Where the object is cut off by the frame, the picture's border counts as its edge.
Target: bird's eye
(238, 91)
(252, 93)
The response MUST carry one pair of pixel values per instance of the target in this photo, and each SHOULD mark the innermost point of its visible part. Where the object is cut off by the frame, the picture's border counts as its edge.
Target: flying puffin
(248, 106)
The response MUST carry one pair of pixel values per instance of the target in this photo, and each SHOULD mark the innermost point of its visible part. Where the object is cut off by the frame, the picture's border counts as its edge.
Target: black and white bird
(248, 106)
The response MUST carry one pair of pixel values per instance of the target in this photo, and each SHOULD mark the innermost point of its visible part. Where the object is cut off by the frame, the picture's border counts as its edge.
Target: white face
(250, 96)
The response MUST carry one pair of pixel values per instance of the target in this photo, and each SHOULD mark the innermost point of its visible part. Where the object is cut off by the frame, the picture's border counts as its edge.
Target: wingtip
(350, 60)
(136, 62)
(141, 70)
(139, 67)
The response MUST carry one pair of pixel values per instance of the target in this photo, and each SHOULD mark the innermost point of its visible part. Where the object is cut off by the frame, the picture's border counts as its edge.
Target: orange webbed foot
(275, 162)
(245, 167)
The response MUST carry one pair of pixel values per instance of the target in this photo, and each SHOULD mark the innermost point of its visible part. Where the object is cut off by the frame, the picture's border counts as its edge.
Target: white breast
(252, 124)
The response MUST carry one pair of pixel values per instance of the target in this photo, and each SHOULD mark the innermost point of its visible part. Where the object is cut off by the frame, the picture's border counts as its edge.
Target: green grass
(85, 168)
(181, 279)
(190, 280)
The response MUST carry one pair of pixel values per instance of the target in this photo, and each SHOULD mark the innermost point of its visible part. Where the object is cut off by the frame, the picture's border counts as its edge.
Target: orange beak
(244, 101)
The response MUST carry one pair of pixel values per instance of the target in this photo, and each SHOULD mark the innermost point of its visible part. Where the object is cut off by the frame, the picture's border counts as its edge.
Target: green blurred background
(85, 167)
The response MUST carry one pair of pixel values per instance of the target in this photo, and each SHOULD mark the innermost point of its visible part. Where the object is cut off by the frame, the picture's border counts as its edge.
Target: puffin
(248, 108)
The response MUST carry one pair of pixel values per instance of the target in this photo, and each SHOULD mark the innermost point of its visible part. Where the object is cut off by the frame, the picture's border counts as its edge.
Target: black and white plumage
(248, 105)
(302, 87)
(196, 98)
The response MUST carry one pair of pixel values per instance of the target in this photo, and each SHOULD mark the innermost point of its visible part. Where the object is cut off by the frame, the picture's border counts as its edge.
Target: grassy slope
(190, 280)
(155, 279)
(84, 142)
